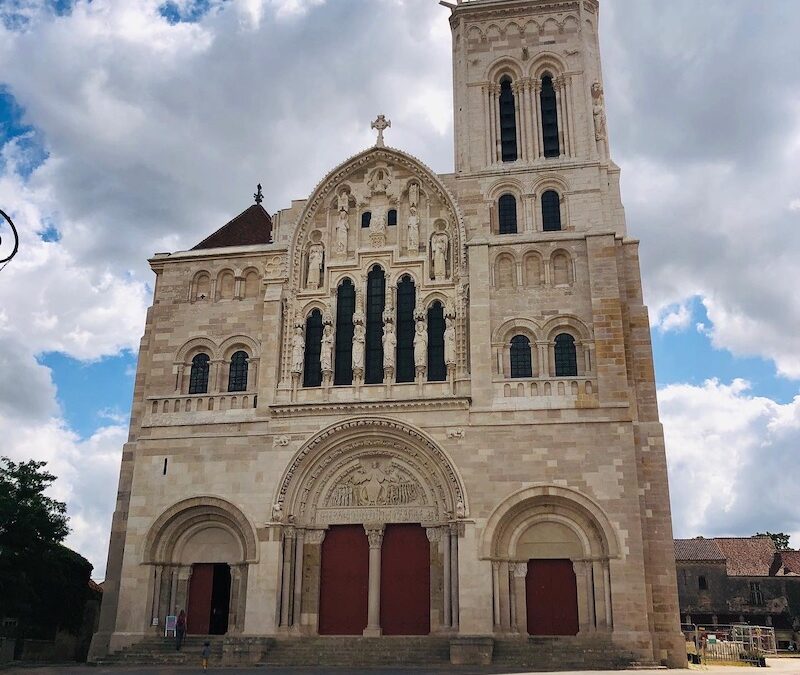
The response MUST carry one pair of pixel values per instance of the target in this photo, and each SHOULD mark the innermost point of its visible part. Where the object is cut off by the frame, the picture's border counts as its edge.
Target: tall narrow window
(437, 371)
(237, 374)
(345, 306)
(391, 218)
(566, 357)
(549, 118)
(521, 357)
(551, 211)
(507, 214)
(312, 372)
(406, 300)
(702, 583)
(198, 376)
(508, 122)
(376, 301)
(366, 218)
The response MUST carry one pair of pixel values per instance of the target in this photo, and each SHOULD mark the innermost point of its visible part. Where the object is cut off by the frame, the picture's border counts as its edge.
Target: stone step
(358, 651)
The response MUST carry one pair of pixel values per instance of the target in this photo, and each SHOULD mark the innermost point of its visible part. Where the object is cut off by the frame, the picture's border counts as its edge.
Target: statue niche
(375, 481)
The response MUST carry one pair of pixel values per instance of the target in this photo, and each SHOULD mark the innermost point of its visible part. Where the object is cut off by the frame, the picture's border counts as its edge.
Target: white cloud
(675, 318)
(731, 460)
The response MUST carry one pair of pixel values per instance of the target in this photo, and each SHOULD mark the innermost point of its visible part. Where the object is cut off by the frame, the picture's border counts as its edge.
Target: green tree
(781, 539)
(43, 584)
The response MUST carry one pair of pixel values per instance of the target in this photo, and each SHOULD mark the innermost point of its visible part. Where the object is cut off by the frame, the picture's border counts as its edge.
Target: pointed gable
(251, 226)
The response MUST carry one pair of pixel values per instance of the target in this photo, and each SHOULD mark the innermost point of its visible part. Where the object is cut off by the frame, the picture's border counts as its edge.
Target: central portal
(405, 581)
(344, 576)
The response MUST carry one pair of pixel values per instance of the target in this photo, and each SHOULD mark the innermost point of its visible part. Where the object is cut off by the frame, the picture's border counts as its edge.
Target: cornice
(354, 407)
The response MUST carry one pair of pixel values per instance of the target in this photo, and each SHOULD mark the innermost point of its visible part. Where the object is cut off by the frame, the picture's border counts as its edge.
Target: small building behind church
(414, 405)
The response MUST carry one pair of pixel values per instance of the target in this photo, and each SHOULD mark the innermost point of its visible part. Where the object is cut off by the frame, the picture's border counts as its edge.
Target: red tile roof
(698, 550)
(790, 561)
(748, 556)
(251, 226)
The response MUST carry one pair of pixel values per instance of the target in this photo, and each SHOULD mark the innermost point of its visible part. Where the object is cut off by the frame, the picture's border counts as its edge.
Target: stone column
(562, 118)
(527, 128)
(487, 128)
(496, 123)
(375, 537)
(454, 599)
(173, 591)
(544, 361)
(583, 579)
(537, 103)
(505, 598)
(512, 595)
(286, 585)
(520, 599)
(573, 150)
(496, 593)
(155, 602)
(298, 578)
(313, 540)
(446, 583)
(434, 535)
(518, 127)
(607, 593)
(179, 368)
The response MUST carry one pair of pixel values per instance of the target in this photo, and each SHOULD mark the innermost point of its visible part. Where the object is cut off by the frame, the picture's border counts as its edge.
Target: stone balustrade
(198, 408)
(552, 392)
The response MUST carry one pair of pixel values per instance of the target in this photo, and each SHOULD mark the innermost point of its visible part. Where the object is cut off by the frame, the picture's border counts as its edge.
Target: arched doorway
(368, 505)
(550, 548)
(199, 551)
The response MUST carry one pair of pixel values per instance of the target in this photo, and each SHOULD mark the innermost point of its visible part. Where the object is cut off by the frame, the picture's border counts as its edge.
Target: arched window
(237, 374)
(561, 270)
(251, 283)
(366, 217)
(345, 306)
(551, 211)
(504, 272)
(225, 286)
(702, 583)
(437, 371)
(198, 376)
(508, 122)
(521, 365)
(376, 302)
(406, 301)
(507, 214)
(312, 371)
(566, 357)
(549, 118)
(391, 218)
(202, 286)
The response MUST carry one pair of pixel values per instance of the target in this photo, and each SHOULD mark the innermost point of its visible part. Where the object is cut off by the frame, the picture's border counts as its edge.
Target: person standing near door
(180, 630)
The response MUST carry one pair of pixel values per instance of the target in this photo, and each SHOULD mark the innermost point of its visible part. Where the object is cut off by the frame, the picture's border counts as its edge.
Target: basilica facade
(413, 404)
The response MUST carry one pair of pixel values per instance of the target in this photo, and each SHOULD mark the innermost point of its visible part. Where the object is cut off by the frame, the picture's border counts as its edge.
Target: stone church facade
(413, 404)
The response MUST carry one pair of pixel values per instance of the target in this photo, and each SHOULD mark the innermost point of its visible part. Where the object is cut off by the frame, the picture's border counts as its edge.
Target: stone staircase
(334, 652)
(545, 654)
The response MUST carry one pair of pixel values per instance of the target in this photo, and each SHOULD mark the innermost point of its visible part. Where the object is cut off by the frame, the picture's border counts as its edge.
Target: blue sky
(136, 127)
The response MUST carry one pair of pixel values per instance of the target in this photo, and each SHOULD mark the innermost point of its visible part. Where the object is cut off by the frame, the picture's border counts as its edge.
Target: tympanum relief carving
(377, 481)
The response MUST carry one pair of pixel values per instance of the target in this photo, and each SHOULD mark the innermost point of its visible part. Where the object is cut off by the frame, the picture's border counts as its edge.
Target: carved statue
(343, 202)
(460, 509)
(359, 337)
(389, 345)
(341, 232)
(326, 354)
(316, 257)
(449, 342)
(413, 230)
(421, 345)
(413, 195)
(298, 350)
(439, 244)
(598, 112)
(277, 512)
(378, 224)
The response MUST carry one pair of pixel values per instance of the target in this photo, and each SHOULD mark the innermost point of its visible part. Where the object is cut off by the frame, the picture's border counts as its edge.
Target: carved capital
(289, 532)
(315, 537)
(433, 533)
(496, 565)
(521, 569)
(374, 535)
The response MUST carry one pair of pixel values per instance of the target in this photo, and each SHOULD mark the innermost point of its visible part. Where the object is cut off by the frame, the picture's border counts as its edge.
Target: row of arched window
(237, 373)
(226, 286)
(566, 356)
(507, 221)
(375, 305)
(391, 218)
(558, 271)
(548, 119)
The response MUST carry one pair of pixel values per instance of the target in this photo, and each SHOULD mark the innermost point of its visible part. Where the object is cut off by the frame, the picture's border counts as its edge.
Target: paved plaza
(777, 667)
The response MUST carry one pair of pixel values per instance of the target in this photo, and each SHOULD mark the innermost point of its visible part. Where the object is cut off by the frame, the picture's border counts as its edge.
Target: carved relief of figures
(377, 229)
(598, 112)
(379, 181)
(298, 350)
(326, 353)
(449, 342)
(343, 202)
(342, 227)
(439, 245)
(413, 230)
(389, 346)
(375, 484)
(316, 260)
(413, 194)
(359, 338)
(421, 346)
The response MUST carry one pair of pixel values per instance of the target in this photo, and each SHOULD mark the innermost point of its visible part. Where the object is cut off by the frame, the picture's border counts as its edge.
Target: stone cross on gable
(381, 124)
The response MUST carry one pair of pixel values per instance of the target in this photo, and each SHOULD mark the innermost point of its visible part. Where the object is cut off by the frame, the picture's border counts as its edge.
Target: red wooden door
(344, 579)
(405, 581)
(552, 598)
(198, 612)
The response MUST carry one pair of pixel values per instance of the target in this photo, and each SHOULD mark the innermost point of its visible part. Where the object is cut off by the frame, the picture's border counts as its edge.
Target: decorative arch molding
(508, 329)
(194, 346)
(506, 186)
(505, 65)
(314, 487)
(562, 323)
(547, 63)
(434, 296)
(550, 181)
(396, 275)
(169, 530)
(389, 156)
(310, 306)
(237, 341)
(546, 502)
